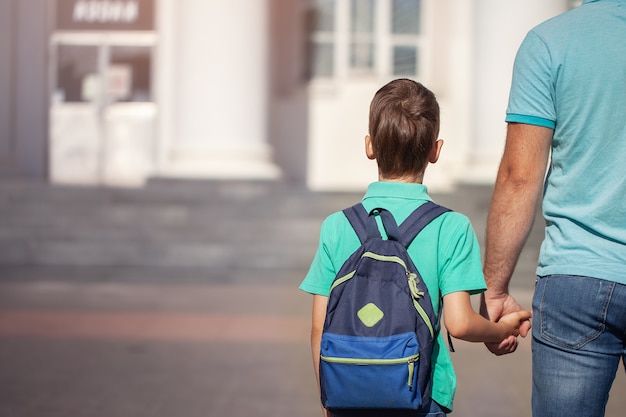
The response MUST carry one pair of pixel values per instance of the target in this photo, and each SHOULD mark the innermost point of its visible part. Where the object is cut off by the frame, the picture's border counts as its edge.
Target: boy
(403, 126)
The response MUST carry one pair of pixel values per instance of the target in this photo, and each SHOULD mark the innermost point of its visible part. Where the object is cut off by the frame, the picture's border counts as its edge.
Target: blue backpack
(380, 326)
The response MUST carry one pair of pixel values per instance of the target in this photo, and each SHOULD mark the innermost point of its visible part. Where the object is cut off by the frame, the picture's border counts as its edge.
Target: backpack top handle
(364, 223)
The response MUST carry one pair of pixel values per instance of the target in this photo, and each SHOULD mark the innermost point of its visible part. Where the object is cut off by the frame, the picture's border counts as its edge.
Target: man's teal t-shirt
(568, 78)
(446, 253)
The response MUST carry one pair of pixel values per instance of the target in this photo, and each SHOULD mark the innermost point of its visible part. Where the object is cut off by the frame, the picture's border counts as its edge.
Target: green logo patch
(370, 314)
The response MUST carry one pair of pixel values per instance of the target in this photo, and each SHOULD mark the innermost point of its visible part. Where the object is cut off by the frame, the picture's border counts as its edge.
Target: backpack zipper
(409, 360)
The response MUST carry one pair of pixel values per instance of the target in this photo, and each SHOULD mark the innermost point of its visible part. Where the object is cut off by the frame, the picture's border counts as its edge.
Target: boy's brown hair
(403, 126)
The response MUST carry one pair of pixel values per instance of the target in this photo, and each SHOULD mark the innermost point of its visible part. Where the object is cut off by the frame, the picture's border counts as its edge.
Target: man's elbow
(515, 177)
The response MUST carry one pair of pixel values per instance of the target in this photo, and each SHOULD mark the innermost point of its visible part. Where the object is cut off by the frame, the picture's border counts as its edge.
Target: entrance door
(103, 114)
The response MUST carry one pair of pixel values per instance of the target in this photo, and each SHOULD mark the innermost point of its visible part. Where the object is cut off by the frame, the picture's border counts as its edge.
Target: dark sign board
(88, 15)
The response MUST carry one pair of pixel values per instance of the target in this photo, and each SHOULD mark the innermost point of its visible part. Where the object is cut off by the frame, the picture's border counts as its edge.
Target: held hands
(506, 310)
(515, 321)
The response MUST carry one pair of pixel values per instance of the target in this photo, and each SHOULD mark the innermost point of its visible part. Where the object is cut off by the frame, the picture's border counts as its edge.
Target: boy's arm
(464, 323)
(317, 325)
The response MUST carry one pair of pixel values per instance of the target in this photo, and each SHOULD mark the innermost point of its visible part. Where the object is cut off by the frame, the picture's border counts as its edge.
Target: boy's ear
(369, 148)
(435, 151)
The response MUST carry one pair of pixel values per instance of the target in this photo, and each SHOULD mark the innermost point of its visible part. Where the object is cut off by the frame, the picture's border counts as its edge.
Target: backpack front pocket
(369, 372)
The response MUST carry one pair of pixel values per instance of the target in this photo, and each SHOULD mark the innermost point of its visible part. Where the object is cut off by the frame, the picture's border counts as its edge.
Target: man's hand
(493, 307)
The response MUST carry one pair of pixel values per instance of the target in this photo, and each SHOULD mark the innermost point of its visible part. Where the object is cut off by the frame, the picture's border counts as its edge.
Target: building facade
(114, 92)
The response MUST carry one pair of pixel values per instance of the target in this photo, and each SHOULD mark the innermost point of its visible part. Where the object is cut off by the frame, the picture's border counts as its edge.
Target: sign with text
(88, 15)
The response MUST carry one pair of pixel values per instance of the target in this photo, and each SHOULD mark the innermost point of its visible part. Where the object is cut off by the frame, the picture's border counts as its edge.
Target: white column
(500, 27)
(220, 87)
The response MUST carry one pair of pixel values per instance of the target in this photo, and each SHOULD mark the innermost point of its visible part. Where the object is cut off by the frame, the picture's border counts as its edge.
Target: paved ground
(180, 299)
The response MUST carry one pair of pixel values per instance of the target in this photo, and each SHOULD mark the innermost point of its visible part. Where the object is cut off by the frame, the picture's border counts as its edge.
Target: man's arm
(518, 186)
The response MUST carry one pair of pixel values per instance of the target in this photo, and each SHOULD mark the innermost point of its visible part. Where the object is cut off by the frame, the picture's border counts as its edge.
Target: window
(321, 26)
(364, 37)
(82, 71)
(405, 29)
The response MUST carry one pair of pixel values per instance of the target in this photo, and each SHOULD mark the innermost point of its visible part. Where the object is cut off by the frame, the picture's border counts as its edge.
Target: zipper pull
(412, 362)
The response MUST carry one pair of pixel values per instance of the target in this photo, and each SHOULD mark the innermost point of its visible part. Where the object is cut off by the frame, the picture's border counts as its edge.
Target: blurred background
(115, 92)
(164, 170)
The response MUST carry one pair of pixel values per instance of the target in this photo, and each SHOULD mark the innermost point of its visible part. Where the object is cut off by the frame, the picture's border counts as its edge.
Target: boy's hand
(515, 321)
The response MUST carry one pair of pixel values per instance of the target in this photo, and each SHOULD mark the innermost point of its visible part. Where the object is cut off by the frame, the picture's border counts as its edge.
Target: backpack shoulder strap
(358, 218)
(419, 219)
(414, 224)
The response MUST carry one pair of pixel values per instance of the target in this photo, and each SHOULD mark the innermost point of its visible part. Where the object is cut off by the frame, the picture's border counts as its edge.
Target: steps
(221, 231)
(189, 224)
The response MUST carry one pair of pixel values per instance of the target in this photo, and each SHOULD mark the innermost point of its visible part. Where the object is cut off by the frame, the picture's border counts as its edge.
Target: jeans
(578, 341)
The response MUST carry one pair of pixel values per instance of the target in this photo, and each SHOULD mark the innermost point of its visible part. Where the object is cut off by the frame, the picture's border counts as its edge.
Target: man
(568, 99)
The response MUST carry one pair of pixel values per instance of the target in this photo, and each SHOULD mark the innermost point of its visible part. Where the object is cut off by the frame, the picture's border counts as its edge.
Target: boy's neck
(410, 179)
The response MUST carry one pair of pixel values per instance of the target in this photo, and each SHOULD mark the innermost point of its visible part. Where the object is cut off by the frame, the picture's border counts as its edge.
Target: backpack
(380, 326)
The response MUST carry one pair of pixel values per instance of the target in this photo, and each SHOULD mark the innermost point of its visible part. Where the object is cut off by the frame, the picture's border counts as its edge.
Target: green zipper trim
(363, 361)
(424, 316)
(386, 259)
(341, 280)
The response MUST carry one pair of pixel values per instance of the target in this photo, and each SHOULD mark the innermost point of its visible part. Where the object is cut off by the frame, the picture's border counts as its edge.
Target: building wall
(6, 90)
(23, 88)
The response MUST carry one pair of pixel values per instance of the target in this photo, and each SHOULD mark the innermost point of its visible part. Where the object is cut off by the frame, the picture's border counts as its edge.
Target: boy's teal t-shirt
(446, 253)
